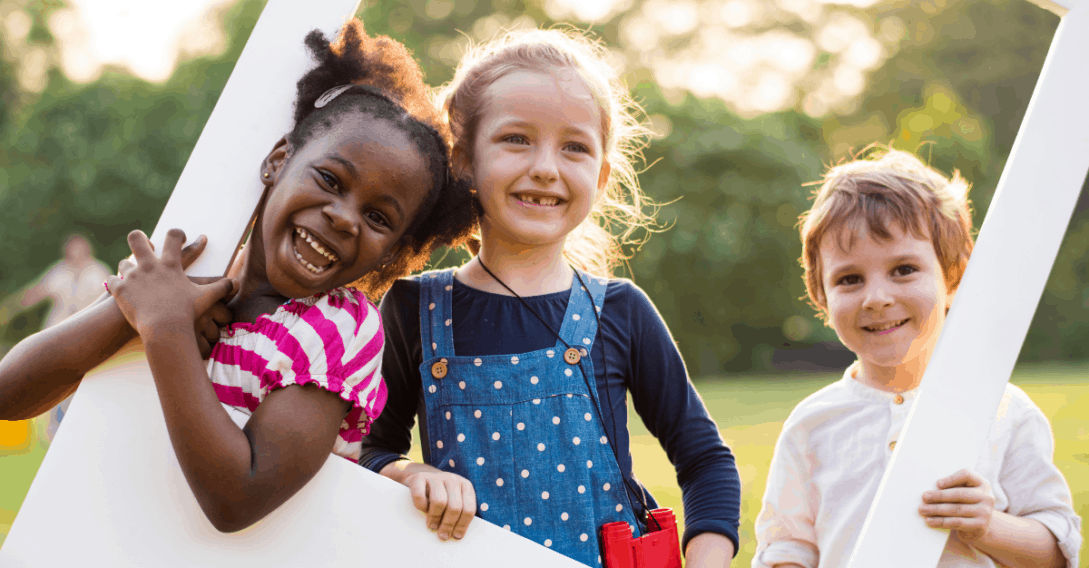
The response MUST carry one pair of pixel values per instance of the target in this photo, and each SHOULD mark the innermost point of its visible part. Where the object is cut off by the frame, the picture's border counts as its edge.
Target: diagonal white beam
(975, 355)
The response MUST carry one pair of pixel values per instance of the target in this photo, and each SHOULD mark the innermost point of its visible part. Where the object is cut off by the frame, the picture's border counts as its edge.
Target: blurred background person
(70, 285)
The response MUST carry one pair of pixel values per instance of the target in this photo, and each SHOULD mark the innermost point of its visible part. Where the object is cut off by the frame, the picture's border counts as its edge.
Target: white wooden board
(975, 355)
(110, 491)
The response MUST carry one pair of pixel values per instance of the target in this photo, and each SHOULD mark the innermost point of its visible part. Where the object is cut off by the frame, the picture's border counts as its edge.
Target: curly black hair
(387, 84)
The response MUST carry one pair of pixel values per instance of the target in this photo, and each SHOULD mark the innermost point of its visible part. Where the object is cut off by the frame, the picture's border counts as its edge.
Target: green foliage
(102, 158)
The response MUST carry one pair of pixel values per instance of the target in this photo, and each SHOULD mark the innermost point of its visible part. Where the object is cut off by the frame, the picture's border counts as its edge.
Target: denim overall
(523, 428)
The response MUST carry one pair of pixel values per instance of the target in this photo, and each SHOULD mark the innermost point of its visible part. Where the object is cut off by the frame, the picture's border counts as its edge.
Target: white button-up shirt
(832, 454)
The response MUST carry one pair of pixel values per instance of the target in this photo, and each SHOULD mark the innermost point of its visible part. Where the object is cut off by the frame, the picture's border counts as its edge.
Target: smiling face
(538, 157)
(886, 299)
(338, 205)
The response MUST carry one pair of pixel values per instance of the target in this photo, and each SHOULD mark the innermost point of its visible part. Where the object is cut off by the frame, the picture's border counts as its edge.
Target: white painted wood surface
(987, 324)
(110, 491)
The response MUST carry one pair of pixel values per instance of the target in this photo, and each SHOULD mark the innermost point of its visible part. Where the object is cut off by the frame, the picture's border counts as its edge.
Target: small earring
(266, 175)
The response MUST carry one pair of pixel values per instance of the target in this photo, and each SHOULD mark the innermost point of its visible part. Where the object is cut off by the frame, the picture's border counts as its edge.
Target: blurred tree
(953, 76)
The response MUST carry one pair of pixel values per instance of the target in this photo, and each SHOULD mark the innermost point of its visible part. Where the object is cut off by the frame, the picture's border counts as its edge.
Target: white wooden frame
(987, 324)
(110, 491)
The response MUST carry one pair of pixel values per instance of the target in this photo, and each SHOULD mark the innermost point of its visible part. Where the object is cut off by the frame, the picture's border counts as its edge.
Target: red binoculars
(659, 548)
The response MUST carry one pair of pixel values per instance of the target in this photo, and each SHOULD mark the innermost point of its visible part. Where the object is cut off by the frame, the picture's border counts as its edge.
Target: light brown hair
(621, 210)
(882, 188)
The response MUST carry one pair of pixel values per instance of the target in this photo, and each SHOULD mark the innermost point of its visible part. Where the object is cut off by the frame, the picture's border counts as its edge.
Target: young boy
(884, 249)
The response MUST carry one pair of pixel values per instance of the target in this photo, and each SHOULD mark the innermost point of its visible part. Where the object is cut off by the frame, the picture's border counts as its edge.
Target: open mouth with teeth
(312, 253)
(885, 327)
(538, 200)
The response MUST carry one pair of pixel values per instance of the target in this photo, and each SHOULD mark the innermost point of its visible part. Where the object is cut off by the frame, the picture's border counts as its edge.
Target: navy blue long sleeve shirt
(641, 359)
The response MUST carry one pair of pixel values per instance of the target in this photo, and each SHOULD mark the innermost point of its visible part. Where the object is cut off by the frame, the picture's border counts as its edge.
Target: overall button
(438, 370)
(892, 445)
(898, 399)
(572, 356)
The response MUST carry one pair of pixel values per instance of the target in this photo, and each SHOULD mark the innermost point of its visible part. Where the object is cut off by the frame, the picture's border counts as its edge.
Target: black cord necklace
(597, 405)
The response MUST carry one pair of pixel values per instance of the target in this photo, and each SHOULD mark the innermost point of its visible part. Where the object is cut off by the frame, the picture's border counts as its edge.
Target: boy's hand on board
(155, 291)
(963, 502)
(447, 499)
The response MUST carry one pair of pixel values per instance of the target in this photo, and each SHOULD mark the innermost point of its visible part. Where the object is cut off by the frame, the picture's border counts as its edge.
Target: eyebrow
(529, 126)
(347, 164)
(385, 198)
(392, 202)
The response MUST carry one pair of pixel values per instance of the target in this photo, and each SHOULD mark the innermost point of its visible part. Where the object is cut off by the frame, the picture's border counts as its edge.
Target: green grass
(750, 411)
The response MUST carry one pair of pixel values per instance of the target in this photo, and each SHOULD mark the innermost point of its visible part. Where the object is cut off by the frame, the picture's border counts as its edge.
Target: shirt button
(892, 445)
(438, 370)
(898, 399)
(572, 356)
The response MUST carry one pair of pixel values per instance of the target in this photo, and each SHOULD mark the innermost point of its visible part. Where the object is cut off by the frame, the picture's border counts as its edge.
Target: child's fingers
(220, 314)
(955, 495)
(969, 528)
(172, 247)
(140, 246)
(962, 478)
(436, 503)
(417, 488)
(125, 267)
(192, 251)
(113, 282)
(452, 513)
(212, 293)
(951, 510)
(468, 510)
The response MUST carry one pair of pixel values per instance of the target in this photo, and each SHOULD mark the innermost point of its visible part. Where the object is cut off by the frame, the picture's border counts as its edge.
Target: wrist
(402, 469)
(164, 330)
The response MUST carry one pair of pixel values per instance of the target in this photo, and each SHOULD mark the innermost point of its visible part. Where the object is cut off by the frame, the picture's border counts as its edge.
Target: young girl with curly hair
(518, 363)
(357, 194)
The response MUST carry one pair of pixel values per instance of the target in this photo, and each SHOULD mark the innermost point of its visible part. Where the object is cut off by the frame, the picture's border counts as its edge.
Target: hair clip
(328, 96)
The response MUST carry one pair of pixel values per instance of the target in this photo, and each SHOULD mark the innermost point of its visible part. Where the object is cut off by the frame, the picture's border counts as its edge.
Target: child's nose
(877, 296)
(341, 219)
(543, 169)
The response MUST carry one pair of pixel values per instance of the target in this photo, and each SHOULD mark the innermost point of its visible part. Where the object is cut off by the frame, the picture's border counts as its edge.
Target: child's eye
(516, 139)
(849, 280)
(378, 219)
(577, 147)
(330, 180)
(904, 270)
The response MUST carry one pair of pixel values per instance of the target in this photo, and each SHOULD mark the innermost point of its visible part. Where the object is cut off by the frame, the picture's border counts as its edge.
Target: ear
(949, 301)
(274, 162)
(603, 176)
(460, 164)
(392, 253)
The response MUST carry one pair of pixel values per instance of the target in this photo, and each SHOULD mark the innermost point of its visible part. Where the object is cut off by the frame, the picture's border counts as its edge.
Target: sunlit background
(101, 102)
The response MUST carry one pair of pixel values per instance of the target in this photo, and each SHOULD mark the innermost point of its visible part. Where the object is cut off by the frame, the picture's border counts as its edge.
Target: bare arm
(46, 367)
(238, 476)
(1019, 542)
(963, 502)
(709, 550)
(43, 369)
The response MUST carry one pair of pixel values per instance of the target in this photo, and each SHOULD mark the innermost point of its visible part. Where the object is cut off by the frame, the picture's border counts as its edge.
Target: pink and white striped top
(333, 340)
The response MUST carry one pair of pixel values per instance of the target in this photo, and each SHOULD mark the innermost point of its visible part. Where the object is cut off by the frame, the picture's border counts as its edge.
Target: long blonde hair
(597, 244)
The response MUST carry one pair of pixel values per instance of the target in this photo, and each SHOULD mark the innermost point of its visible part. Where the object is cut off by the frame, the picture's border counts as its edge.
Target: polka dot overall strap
(523, 428)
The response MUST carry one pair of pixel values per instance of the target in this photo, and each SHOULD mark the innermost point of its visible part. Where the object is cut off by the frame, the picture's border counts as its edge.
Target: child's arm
(447, 499)
(644, 357)
(786, 535)
(43, 369)
(963, 502)
(237, 476)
